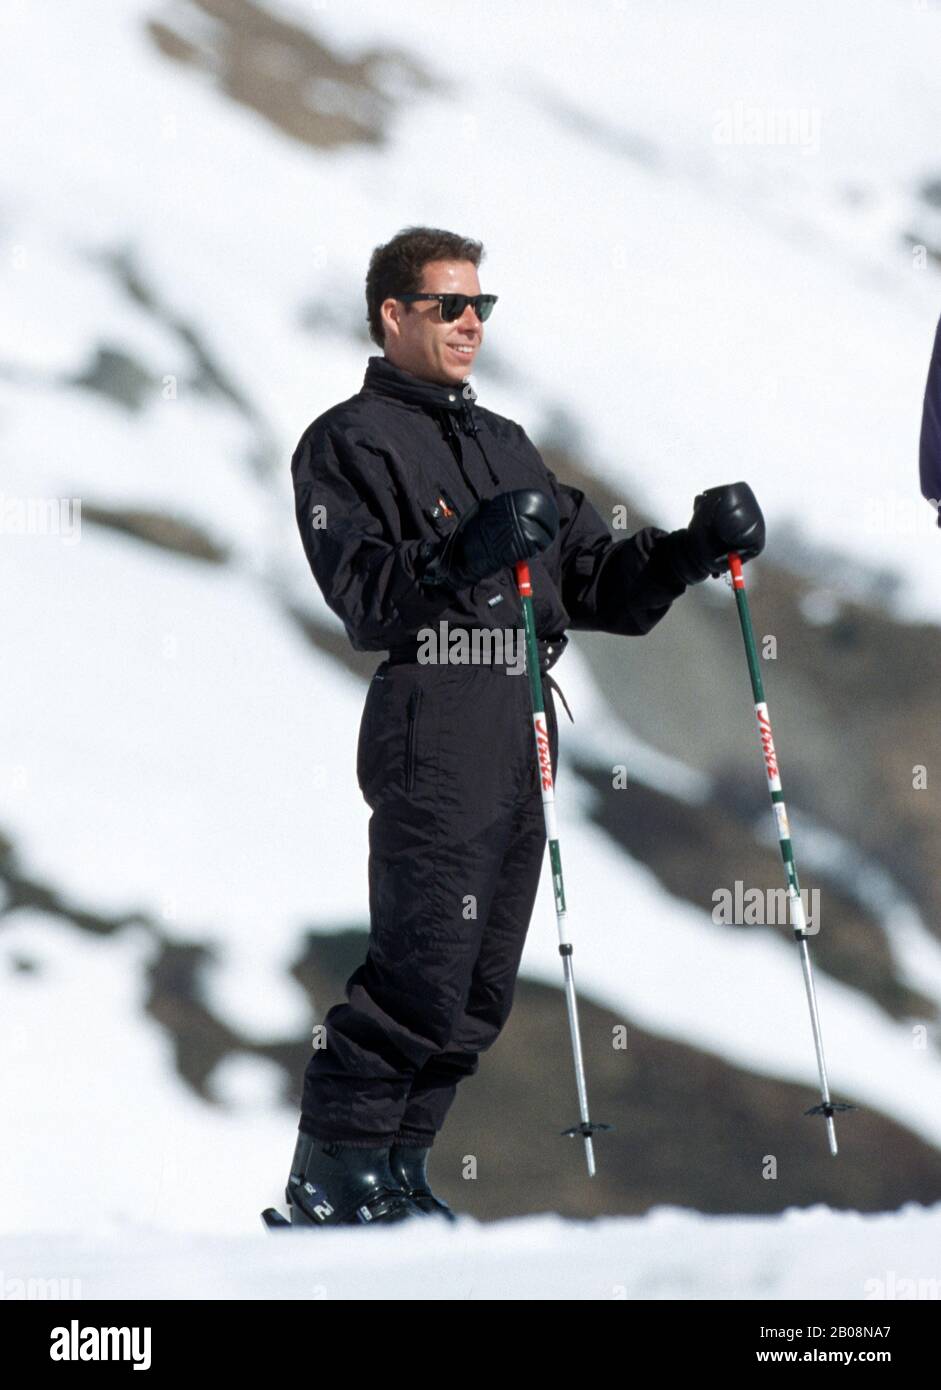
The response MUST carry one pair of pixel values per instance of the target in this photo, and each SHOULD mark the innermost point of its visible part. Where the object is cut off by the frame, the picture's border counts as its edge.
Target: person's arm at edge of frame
(929, 444)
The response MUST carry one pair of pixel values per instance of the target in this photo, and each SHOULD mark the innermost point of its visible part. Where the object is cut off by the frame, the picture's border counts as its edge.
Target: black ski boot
(332, 1184)
(408, 1166)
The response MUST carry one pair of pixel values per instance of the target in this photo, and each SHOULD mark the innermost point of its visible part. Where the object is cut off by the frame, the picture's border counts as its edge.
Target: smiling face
(419, 342)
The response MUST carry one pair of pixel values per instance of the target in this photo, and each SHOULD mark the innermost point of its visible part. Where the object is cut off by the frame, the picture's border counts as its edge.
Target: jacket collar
(385, 379)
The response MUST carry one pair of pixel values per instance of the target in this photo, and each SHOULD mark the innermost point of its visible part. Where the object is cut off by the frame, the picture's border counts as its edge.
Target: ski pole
(798, 920)
(544, 762)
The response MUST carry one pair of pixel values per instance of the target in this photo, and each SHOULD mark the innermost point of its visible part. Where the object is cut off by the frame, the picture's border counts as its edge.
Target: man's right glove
(493, 534)
(724, 518)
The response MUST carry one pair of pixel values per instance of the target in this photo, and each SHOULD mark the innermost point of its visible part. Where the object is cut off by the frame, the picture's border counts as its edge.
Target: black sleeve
(349, 527)
(929, 452)
(620, 586)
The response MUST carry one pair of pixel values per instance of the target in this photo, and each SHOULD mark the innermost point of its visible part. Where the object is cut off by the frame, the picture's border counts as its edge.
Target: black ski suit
(446, 757)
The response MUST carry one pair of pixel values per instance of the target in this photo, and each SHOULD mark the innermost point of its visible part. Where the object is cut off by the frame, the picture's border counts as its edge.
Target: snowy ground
(668, 1254)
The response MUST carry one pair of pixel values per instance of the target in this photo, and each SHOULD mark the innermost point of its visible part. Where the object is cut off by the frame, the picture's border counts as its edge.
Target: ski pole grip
(735, 567)
(523, 581)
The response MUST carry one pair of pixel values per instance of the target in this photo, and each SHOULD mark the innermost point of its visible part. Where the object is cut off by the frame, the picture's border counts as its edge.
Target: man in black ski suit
(413, 504)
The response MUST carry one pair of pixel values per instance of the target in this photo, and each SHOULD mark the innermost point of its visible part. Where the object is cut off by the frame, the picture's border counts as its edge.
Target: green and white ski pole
(547, 787)
(798, 920)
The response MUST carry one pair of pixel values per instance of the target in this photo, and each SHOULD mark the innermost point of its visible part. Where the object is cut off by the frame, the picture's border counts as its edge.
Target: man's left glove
(724, 518)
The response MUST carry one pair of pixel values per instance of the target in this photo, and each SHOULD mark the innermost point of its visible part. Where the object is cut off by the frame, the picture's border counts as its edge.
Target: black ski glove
(724, 518)
(495, 533)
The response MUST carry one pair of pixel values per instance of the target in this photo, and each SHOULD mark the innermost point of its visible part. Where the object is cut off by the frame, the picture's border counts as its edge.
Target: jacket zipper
(414, 702)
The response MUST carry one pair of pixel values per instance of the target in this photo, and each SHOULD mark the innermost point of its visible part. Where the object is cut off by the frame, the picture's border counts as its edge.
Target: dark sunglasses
(453, 305)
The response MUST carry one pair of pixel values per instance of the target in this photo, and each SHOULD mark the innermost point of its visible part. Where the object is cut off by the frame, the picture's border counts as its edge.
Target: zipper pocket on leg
(414, 704)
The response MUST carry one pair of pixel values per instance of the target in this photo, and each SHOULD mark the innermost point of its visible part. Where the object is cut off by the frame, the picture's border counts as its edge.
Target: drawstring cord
(554, 685)
(471, 425)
